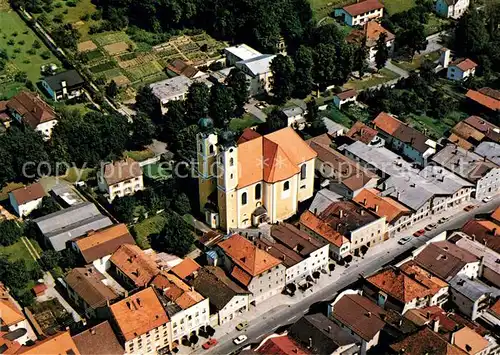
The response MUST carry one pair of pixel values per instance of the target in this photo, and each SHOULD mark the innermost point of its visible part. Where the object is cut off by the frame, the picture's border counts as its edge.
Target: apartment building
(478, 170)
(132, 267)
(142, 323)
(471, 296)
(120, 178)
(254, 269)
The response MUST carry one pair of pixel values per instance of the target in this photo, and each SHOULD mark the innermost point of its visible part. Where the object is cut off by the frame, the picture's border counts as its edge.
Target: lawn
(149, 226)
(72, 174)
(435, 24)
(158, 171)
(433, 127)
(336, 115)
(74, 15)
(417, 61)
(139, 155)
(395, 6)
(17, 39)
(322, 8)
(247, 120)
(383, 76)
(18, 251)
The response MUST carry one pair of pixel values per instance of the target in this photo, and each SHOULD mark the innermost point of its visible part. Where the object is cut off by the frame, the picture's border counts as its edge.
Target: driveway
(401, 72)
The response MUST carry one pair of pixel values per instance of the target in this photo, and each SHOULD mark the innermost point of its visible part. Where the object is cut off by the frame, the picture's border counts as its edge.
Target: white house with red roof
(361, 12)
(26, 199)
(461, 69)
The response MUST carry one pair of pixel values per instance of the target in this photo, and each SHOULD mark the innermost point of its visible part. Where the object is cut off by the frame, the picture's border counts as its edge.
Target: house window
(303, 170)
(231, 162)
(211, 149)
(258, 191)
(244, 198)
(286, 186)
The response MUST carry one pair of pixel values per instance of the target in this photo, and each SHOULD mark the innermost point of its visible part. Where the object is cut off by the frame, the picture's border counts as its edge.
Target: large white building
(259, 69)
(361, 12)
(239, 53)
(121, 178)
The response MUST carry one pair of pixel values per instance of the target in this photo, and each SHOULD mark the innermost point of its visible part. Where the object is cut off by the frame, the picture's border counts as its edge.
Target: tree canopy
(176, 237)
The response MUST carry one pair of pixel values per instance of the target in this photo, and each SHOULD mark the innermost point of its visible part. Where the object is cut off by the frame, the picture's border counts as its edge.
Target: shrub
(85, 17)
(17, 50)
(58, 18)
(11, 42)
(21, 42)
(71, 3)
(45, 55)
(36, 44)
(58, 5)
(14, 34)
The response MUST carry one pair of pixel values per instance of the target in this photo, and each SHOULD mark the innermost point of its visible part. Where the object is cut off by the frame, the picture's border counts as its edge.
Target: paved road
(284, 314)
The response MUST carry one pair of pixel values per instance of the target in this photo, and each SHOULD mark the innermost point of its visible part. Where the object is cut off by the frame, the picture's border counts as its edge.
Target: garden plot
(116, 48)
(143, 71)
(110, 38)
(86, 46)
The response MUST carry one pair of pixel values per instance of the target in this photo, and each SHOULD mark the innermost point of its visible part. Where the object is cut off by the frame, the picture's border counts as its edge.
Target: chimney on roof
(128, 305)
(364, 201)
(310, 343)
(92, 331)
(341, 213)
(126, 293)
(283, 257)
(329, 329)
(362, 212)
(138, 301)
(315, 211)
(376, 208)
(295, 350)
(369, 314)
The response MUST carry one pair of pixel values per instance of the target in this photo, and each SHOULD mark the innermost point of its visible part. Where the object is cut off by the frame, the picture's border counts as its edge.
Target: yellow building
(255, 179)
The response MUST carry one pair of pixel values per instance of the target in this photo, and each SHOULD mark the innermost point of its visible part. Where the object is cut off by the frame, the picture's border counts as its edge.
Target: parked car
(240, 339)
(487, 199)
(430, 227)
(443, 220)
(404, 240)
(419, 233)
(242, 325)
(209, 344)
(469, 208)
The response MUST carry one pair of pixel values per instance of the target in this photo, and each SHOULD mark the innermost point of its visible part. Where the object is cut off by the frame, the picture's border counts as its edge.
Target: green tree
(282, 80)
(312, 111)
(197, 101)
(412, 39)
(274, 122)
(124, 208)
(382, 53)
(50, 259)
(112, 89)
(143, 130)
(181, 204)
(66, 36)
(184, 145)
(6, 165)
(221, 104)
(303, 81)
(176, 237)
(174, 121)
(48, 206)
(360, 58)
(325, 59)
(238, 82)
(10, 232)
(471, 34)
(146, 102)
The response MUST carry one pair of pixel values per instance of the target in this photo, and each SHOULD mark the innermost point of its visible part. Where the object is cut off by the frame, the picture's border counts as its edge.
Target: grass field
(73, 173)
(383, 76)
(75, 14)
(18, 251)
(147, 227)
(417, 62)
(17, 39)
(394, 6)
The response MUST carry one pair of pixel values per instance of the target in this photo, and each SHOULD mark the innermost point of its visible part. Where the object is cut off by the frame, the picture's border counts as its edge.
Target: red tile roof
(363, 7)
(60, 343)
(181, 68)
(139, 313)
(99, 339)
(281, 345)
(496, 215)
(135, 264)
(310, 221)
(425, 342)
(185, 268)
(347, 94)
(361, 132)
(464, 64)
(28, 193)
(247, 256)
(381, 205)
(484, 100)
(32, 108)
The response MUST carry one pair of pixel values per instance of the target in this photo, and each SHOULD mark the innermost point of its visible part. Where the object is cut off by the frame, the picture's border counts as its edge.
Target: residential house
(387, 206)
(294, 116)
(345, 97)
(99, 339)
(369, 35)
(299, 253)
(29, 109)
(404, 288)
(59, 343)
(334, 129)
(13, 323)
(489, 150)
(446, 260)
(142, 323)
(26, 199)
(320, 335)
(461, 68)
(186, 269)
(481, 172)
(485, 232)
(227, 299)
(281, 344)
(255, 269)
(491, 315)
(179, 67)
(91, 291)
(404, 139)
(238, 53)
(173, 89)
(132, 266)
(65, 85)
(425, 341)
(96, 247)
(471, 296)
(471, 342)
(62, 226)
(361, 132)
(345, 176)
(187, 309)
(472, 131)
(120, 178)
(426, 192)
(359, 316)
(486, 98)
(359, 225)
(258, 178)
(361, 12)
(452, 8)
(259, 69)
(489, 268)
(339, 245)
